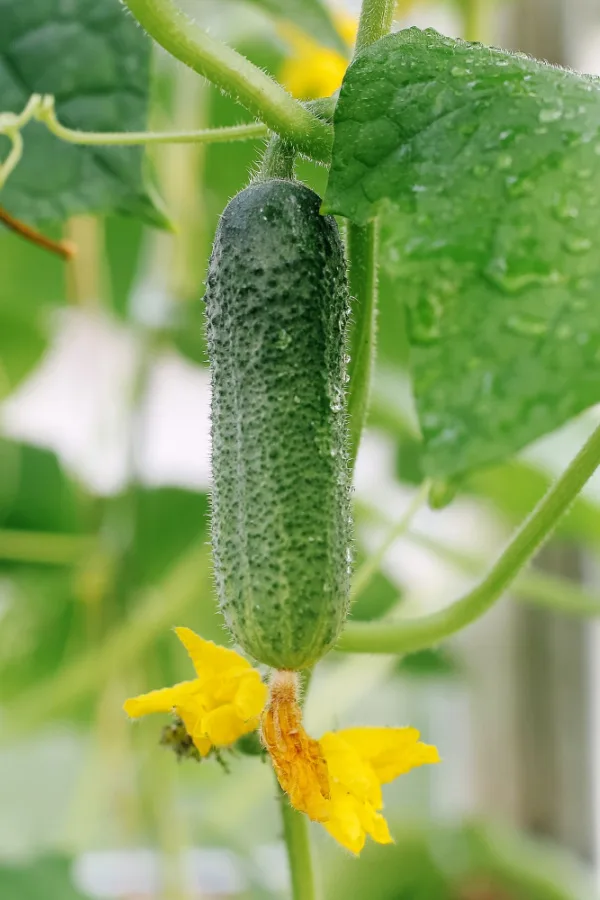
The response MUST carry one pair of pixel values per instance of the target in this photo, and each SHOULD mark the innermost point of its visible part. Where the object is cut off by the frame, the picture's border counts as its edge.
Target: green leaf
(21, 346)
(486, 168)
(95, 60)
(376, 599)
(49, 878)
(432, 663)
(313, 16)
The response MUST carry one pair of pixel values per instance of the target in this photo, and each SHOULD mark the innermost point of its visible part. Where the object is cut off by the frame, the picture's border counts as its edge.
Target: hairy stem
(361, 246)
(277, 162)
(419, 633)
(234, 74)
(375, 21)
(47, 115)
(297, 841)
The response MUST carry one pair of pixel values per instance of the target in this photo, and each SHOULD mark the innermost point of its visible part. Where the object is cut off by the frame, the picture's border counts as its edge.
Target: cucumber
(277, 306)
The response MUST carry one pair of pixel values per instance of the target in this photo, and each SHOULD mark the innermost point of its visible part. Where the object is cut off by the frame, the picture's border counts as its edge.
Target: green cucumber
(277, 306)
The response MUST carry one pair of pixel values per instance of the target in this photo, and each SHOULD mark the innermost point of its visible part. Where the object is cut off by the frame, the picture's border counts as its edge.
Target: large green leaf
(486, 167)
(313, 16)
(48, 878)
(95, 60)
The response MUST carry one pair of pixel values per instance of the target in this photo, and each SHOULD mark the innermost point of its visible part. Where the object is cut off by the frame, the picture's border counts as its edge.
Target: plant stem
(372, 564)
(64, 249)
(297, 841)
(234, 74)
(45, 548)
(10, 126)
(362, 245)
(47, 115)
(419, 633)
(473, 15)
(538, 588)
(277, 162)
(535, 587)
(375, 21)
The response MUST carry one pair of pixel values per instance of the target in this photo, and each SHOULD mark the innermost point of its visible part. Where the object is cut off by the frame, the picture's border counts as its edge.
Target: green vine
(297, 841)
(409, 635)
(235, 75)
(361, 247)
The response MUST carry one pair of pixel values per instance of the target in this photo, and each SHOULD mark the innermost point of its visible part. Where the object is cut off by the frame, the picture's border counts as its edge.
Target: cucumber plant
(471, 174)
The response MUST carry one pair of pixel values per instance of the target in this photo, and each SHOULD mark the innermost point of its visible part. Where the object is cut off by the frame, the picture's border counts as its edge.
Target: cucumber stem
(297, 841)
(361, 245)
(362, 248)
(376, 18)
(278, 161)
(234, 74)
(410, 635)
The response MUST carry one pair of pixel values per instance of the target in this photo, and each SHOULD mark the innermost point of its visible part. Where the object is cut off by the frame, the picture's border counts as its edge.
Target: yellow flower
(313, 70)
(337, 780)
(359, 761)
(220, 705)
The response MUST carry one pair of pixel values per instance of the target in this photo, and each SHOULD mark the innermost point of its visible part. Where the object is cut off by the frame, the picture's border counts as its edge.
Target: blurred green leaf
(95, 60)
(31, 284)
(168, 520)
(485, 165)
(122, 241)
(39, 495)
(376, 599)
(404, 871)
(313, 16)
(41, 619)
(434, 663)
(21, 346)
(48, 878)
(474, 862)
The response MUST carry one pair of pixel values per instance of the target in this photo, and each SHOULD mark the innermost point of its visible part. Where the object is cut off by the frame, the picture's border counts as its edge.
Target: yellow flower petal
(223, 726)
(379, 829)
(208, 658)
(192, 713)
(390, 751)
(251, 696)
(203, 744)
(164, 700)
(347, 767)
(344, 822)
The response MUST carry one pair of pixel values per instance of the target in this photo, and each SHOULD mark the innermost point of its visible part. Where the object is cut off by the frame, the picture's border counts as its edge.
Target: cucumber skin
(277, 305)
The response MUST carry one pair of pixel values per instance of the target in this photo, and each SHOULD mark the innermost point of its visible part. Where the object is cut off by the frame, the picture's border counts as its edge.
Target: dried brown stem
(64, 249)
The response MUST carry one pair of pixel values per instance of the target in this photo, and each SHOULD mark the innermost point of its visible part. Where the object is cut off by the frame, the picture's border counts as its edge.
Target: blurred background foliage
(103, 547)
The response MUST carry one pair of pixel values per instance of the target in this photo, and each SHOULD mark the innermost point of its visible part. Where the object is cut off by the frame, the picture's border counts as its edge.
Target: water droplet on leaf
(550, 115)
(528, 326)
(577, 245)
